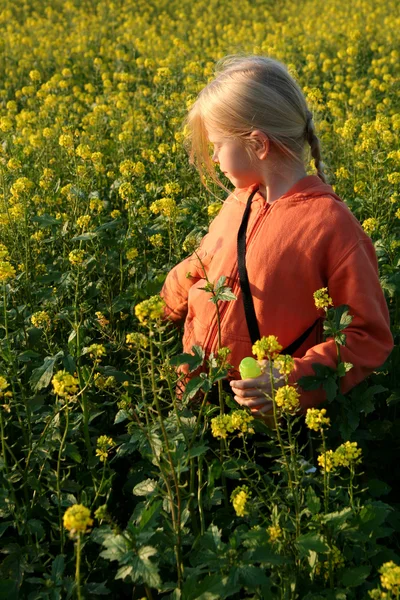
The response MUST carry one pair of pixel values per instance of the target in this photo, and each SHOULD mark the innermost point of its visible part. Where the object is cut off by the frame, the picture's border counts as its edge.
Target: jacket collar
(308, 186)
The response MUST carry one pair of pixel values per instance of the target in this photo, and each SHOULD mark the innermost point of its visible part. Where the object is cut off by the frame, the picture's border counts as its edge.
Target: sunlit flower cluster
(390, 580)
(287, 399)
(41, 319)
(64, 384)
(284, 363)
(138, 340)
(322, 298)
(347, 455)
(77, 519)
(237, 421)
(104, 444)
(266, 347)
(316, 419)
(150, 310)
(239, 498)
(274, 533)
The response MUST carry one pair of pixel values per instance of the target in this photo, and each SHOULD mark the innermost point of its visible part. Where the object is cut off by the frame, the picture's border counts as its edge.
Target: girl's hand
(251, 392)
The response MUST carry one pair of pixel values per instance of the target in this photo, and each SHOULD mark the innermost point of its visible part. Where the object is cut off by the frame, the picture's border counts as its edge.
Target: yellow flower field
(110, 483)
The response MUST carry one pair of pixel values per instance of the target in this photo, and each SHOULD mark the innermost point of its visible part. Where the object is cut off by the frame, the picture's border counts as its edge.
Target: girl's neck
(279, 183)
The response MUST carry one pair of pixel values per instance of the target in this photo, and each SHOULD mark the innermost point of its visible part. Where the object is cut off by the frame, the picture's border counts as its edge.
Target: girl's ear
(260, 143)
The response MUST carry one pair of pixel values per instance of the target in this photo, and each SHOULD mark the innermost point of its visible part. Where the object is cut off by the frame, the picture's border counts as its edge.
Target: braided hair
(315, 146)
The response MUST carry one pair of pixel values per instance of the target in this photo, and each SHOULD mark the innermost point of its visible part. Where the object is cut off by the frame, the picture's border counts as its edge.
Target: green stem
(177, 519)
(78, 567)
(60, 451)
(85, 406)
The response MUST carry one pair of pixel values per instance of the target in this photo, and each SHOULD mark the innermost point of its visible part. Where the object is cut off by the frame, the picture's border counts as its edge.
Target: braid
(315, 146)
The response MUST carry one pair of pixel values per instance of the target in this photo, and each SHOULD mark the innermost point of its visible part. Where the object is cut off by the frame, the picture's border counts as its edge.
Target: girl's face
(234, 161)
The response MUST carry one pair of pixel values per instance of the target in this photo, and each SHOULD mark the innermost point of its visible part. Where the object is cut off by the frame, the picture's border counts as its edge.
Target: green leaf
(42, 376)
(330, 386)
(355, 576)
(198, 450)
(226, 295)
(194, 361)
(72, 452)
(337, 520)
(192, 387)
(57, 567)
(220, 283)
(84, 236)
(311, 541)
(312, 500)
(116, 547)
(144, 488)
(121, 416)
(378, 488)
(343, 368)
(251, 576)
(144, 569)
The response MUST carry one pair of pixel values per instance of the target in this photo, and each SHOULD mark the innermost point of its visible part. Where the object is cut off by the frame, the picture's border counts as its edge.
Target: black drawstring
(249, 311)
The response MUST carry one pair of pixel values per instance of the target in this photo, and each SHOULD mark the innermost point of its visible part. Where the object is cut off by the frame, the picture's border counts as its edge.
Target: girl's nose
(215, 157)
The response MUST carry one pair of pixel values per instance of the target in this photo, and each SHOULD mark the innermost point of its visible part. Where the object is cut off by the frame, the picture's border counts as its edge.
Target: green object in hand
(249, 368)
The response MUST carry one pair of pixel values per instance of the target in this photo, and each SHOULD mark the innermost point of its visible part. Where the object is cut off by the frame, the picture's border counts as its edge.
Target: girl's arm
(355, 282)
(178, 283)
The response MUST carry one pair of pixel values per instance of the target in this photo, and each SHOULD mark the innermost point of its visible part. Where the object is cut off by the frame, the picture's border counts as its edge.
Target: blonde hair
(248, 93)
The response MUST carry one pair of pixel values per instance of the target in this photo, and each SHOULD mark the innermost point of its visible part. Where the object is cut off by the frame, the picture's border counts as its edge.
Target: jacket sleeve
(178, 283)
(355, 282)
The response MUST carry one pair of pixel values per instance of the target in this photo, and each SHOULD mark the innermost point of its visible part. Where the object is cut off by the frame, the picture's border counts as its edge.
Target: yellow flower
(7, 271)
(322, 299)
(3, 252)
(150, 310)
(64, 384)
(172, 189)
(221, 426)
(326, 461)
(274, 533)
(347, 454)
(66, 141)
(35, 75)
(3, 386)
(266, 347)
(125, 190)
(77, 519)
(83, 221)
(132, 253)
(316, 420)
(137, 339)
(239, 499)
(76, 257)
(41, 319)
(213, 209)
(84, 151)
(287, 398)
(165, 206)
(104, 444)
(156, 240)
(390, 577)
(115, 214)
(96, 351)
(284, 363)
(238, 420)
(370, 225)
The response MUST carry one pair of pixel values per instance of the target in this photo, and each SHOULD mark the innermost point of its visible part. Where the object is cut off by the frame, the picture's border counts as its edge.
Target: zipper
(212, 338)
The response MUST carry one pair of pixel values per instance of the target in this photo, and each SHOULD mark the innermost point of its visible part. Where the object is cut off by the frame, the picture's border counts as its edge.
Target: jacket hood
(307, 187)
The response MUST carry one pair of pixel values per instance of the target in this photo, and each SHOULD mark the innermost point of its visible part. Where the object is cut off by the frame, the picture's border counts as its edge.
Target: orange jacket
(305, 240)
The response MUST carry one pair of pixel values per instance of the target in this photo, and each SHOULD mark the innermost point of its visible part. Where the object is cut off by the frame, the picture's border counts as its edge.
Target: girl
(279, 237)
